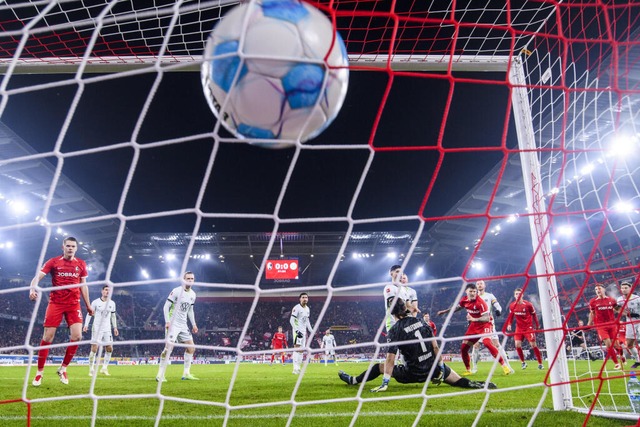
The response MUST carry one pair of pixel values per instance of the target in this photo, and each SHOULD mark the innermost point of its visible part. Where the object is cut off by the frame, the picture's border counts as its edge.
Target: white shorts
(330, 352)
(633, 331)
(179, 335)
(300, 342)
(103, 337)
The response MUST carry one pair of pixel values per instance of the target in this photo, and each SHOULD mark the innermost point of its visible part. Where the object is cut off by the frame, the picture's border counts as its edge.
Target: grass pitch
(266, 395)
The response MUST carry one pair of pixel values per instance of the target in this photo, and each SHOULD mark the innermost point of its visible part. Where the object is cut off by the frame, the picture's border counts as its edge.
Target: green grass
(510, 405)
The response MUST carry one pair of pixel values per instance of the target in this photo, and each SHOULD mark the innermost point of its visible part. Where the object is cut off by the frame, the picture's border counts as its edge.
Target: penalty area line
(262, 416)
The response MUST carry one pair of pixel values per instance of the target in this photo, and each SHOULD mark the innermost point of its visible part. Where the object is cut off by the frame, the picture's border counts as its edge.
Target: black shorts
(405, 375)
(576, 342)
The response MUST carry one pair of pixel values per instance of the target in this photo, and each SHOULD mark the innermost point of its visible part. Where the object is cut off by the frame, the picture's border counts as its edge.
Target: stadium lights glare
(172, 273)
(565, 230)
(512, 218)
(6, 245)
(18, 207)
(624, 145)
(392, 255)
(623, 207)
(477, 265)
(170, 257)
(419, 271)
(586, 170)
(144, 273)
(354, 255)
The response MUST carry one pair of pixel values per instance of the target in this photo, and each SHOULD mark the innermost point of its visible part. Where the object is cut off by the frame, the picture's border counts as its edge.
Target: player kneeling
(419, 357)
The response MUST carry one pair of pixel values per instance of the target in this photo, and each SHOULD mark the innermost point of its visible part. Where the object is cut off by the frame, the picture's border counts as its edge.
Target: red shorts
(610, 332)
(71, 312)
(477, 328)
(521, 336)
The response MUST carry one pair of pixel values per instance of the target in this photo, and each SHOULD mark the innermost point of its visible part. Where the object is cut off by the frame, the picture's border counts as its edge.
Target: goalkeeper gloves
(498, 313)
(299, 334)
(382, 387)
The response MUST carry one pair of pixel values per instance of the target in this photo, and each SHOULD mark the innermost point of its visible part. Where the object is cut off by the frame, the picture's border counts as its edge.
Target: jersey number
(422, 344)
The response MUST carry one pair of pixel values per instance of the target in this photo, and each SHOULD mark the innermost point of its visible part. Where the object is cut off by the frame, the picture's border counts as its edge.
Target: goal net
(479, 140)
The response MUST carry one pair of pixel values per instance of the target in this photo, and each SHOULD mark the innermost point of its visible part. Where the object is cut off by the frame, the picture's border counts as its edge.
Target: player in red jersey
(65, 270)
(602, 314)
(621, 341)
(278, 342)
(429, 322)
(479, 323)
(525, 315)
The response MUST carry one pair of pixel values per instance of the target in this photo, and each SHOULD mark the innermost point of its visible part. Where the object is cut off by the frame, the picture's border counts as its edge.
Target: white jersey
(299, 319)
(328, 341)
(181, 302)
(102, 315)
(390, 291)
(633, 306)
(490, 299)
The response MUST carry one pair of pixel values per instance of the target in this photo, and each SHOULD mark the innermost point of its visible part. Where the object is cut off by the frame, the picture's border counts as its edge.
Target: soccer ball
(265, 75)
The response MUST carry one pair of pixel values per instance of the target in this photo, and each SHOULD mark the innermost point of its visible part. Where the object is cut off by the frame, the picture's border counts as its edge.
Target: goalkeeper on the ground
(420, 357)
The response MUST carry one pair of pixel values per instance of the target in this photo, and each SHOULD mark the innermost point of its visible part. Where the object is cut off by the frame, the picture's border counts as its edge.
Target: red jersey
(525, 313)
(65, 272)
(602, 309)
(433, 327)
(279, 340)
(475, 308)
(622, 332)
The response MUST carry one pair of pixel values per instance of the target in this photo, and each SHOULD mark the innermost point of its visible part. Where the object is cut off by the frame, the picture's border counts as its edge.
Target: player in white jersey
(632, 311)
(104, 319)
(494, 308)
(398, 287)
(177, 310)
(300, 324)
(329, 344)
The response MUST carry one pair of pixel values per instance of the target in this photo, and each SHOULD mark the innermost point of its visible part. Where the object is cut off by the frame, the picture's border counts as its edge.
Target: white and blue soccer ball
(265, 75)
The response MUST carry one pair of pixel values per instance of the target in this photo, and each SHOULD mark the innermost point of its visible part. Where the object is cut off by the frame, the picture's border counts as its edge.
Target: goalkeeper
(419, 356)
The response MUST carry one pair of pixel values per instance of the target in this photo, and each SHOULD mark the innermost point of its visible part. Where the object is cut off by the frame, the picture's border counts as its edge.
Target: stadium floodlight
(145, 273)
(354, 255)
(623, 206)
(565, 230)
(587, 169)
(172, 273)
(477, 265)
(170, 257)
(392, 255)
(18, 207)
(624, 145)
(419, 271)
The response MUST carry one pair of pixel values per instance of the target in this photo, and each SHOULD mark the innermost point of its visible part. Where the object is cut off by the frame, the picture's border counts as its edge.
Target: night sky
(248, 179)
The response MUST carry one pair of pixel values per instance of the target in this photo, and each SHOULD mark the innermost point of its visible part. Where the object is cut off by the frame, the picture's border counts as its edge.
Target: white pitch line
(263, 416)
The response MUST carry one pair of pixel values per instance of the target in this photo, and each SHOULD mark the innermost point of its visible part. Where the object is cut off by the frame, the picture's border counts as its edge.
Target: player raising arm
(525, 315)
(65, 270)
(494, 308)
(104, 320)
(479, 323)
